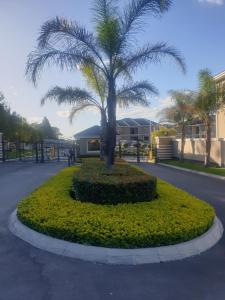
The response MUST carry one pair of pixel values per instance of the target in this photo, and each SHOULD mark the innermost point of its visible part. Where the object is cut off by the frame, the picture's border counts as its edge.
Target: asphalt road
(28, 273)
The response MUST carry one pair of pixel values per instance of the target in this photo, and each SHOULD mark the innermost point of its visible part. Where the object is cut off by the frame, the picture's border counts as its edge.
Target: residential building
(88, 141)
(132, 130)
(129, 131)
(197, 129)
(195, 141)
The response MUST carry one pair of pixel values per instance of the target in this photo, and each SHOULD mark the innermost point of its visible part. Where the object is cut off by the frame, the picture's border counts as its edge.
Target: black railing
(40, 152)
(136, 152)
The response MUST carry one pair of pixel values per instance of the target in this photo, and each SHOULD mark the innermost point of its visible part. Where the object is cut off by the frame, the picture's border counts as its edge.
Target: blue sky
(195, 27)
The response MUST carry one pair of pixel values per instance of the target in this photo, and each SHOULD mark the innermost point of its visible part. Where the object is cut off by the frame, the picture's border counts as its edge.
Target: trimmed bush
(124, 184)
(174, 217)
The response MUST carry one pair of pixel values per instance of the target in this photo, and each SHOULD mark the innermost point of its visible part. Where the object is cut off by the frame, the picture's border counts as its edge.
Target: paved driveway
(28, 273)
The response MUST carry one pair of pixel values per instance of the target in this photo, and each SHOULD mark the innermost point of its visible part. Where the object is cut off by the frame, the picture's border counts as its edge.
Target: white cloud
(13, 91)
(132, 112)
(66, 113)
(63, 113)
(145, 112)
(216, 2)
(34, 119)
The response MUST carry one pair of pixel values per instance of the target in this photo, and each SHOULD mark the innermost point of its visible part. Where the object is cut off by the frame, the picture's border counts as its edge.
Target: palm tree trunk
(103, 135)
(111, 126)
(182, 143)
(208, 142)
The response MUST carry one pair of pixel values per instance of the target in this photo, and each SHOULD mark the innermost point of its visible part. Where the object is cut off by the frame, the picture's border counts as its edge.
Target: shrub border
(117, 256)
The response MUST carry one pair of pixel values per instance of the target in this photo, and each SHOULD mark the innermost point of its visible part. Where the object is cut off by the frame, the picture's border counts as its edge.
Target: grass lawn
(173, 217)
(196, 166)
(15, 154)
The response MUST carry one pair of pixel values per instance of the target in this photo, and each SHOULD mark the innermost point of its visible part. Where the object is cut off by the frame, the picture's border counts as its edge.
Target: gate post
(1, 147)
(36, 152)
(138, 152)
(42, 152)
(120, 150)
(58, 156)
(19, 150)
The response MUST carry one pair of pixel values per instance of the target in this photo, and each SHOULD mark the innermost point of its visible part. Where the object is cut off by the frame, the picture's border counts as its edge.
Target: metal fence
(136, 152)
(40, 152)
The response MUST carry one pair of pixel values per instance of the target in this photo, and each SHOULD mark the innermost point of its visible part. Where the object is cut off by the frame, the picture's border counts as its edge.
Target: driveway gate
(41, 151)
(135, 152)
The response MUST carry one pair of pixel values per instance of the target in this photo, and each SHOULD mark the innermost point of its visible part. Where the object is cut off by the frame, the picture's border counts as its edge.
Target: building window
(93, 145)
(133, 130)
(134, 138)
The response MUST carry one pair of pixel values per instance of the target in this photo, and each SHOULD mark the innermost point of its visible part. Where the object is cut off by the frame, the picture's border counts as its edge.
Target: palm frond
(130, 98)
(134, 14)
(168, 114)
(135, 94)
(182, 96)
(210, 96)
(137, 9)
(104, 10)
(96, 80)
(69, 95)
(60, 31)
(78, 108)
(206, 81)
(142, 86)
(119, 65)
(182, 110)
(68, 58)
(152, 54)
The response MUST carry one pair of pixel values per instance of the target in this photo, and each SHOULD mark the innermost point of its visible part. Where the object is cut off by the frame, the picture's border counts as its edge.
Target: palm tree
(112, 50)
(209, 99)
(81, 99)
(180, 113)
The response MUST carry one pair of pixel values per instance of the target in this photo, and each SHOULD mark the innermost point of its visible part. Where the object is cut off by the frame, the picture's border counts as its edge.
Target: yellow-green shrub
(123, 184)
(172, 218)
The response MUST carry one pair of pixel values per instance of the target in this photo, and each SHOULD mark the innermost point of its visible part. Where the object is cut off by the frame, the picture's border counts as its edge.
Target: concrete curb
(193, 171)
(117, 256)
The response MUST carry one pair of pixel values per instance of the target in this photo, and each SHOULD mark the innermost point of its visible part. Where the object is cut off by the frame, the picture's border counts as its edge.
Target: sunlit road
(28, 273)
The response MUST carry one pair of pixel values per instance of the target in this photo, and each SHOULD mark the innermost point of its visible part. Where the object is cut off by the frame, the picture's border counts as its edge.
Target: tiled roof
(93, 131)
(135, 122)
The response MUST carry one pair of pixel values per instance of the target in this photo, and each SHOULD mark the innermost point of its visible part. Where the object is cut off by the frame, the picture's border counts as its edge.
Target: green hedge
(174, 217)
(124, 184)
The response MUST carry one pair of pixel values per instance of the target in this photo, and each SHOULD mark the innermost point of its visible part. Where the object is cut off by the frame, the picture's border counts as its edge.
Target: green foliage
(181, 112)
(124, 184)
(16, 128)
(47, 131)
(174, 217)
(210, 97)
(163, 131)
(108, 35)
(96, 81)
(111, 48)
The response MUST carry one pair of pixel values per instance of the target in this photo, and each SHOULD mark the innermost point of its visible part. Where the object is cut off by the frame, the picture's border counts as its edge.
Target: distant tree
(48, 132)
(37, 133)
(181, 113)
(113, 49)
(16, 128)
(209, 99)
